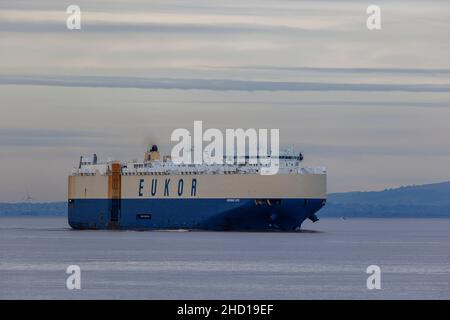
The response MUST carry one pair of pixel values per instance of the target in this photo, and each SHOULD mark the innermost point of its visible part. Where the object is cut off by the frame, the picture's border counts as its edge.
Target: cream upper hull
(204, 186)
(87, 187)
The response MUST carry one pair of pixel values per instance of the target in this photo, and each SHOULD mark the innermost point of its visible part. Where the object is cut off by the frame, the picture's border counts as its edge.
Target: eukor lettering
(154, 185)
(152, 188)
(166, 187)
(180, 187)
(141, 186)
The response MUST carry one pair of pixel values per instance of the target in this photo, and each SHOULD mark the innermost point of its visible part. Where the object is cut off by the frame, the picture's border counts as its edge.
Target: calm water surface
(327, 261)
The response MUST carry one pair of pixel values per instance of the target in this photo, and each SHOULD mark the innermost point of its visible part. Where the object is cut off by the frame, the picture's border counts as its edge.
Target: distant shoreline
(418, 201)
(331, 210)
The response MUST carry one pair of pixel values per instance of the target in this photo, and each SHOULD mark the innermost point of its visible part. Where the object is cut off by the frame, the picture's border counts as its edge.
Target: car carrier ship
(157, 194)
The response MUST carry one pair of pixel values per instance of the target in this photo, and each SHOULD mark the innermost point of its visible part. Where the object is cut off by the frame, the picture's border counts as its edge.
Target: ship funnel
(152, 154)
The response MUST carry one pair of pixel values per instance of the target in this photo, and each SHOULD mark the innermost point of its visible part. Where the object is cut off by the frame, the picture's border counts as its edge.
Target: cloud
(154, 22)
(352, 99)
(386, 71)
(331, 150)
(178, 28)
(134, 21)
(210, 84)
(15, 137)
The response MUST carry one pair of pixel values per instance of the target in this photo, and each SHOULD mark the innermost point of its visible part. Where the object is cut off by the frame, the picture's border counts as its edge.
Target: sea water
(327, 260)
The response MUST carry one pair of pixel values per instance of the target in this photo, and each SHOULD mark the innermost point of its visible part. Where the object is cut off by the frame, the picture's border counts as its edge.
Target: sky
(371, 106)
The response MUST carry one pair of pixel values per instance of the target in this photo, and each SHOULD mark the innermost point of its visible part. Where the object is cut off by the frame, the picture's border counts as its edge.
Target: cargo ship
(157, 194)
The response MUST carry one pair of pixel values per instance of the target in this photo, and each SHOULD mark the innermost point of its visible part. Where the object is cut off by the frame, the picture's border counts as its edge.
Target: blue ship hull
(195, 214)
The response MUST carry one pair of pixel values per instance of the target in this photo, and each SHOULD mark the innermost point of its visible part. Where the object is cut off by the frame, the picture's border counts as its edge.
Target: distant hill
(426, 201)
